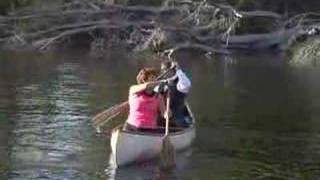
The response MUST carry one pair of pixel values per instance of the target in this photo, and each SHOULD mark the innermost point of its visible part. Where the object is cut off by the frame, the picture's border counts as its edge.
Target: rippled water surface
(257, 118)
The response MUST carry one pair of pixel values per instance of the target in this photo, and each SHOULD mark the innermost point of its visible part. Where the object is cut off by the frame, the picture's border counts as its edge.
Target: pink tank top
(143, 110)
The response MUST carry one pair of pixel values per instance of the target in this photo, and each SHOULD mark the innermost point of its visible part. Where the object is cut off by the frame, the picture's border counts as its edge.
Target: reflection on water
(257, 118)
(151, 170)
(48, 125)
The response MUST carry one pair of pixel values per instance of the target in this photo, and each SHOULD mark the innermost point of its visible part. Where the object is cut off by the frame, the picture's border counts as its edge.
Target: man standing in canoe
(179, 86)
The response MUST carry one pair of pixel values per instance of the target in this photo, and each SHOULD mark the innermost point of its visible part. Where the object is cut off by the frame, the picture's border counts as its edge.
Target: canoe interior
(172, 130)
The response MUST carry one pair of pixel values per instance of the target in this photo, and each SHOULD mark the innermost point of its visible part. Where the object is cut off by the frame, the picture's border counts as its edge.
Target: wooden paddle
(168, 153)
(105, 116)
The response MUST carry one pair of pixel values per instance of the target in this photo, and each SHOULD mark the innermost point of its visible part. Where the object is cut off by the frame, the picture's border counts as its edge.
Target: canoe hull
(129, 147)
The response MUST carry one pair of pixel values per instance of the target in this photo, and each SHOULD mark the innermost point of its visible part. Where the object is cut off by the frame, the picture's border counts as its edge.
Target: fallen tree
(176, 25)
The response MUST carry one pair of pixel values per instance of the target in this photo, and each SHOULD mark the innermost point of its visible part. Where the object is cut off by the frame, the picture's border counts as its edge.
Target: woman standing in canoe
(144, 104)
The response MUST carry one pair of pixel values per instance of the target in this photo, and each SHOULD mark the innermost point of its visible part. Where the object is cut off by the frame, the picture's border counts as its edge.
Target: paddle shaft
(167, 114)
(168, 154)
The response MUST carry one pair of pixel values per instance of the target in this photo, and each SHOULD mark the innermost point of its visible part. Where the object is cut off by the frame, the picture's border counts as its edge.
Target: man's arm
(184, 83)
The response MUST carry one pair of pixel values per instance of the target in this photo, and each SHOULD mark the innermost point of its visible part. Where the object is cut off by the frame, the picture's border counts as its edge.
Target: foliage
(280, 6)
(144, 2)
(256, 25)
(307, 53)
(3, 119)
(3, 171)
(7, 5)
(245, 4)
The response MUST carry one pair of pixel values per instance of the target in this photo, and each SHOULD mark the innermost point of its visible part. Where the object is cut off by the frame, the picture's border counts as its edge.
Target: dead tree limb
(175, 26)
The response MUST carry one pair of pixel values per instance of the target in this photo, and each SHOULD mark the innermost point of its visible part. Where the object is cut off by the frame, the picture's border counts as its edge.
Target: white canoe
(132, 147)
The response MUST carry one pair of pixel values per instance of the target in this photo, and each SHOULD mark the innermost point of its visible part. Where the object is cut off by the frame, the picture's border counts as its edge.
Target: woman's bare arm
(141, 87)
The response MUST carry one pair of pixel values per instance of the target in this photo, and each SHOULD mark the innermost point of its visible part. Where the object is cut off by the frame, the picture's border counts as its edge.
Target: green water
(257, 118)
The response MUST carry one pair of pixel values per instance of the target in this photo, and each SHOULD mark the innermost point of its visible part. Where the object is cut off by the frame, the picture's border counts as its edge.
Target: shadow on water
(257, 118)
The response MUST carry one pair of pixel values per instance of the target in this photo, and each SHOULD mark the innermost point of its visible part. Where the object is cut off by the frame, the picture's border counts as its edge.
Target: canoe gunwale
(185, 130)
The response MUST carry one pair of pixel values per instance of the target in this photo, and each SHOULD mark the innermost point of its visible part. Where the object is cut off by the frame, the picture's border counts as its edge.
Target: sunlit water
(257, 118)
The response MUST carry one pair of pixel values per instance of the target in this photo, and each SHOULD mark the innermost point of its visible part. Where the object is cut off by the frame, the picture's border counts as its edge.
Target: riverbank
(173, 26)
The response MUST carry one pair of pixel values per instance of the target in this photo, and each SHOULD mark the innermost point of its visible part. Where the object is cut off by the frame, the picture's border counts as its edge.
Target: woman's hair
(146, 75)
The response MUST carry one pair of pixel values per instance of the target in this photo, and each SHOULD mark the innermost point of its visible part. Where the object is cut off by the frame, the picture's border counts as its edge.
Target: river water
(257, 117)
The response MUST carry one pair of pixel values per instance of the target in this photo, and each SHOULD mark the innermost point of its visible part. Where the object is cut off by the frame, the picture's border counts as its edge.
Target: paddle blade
(168, 154)
(110, 113)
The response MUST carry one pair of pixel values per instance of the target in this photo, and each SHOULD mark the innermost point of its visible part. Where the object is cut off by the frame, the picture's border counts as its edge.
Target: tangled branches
(174, 26)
